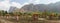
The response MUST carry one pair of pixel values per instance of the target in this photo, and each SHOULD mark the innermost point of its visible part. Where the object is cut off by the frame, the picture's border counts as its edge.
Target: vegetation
(29, 16)
(45, 14)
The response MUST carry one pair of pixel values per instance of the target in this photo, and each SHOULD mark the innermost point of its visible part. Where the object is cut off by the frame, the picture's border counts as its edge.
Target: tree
(6, 12)
(2, 13)
(11, 14)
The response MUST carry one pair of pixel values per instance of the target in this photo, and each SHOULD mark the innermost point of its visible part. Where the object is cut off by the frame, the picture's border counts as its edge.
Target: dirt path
(4, 21)
(52, 21)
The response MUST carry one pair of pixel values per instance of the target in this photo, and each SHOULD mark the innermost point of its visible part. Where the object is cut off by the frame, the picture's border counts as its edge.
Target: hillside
(54, 7)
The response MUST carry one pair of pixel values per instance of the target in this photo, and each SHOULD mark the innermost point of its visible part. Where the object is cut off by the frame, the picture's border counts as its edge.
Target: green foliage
(41, 14)
(11, 14)
(2, 13)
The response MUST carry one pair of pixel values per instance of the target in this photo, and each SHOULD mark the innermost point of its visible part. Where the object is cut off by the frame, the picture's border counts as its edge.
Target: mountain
(13, 9)
(54, 7)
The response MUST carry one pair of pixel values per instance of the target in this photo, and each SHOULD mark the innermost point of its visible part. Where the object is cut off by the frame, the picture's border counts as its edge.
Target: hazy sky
(5, 4)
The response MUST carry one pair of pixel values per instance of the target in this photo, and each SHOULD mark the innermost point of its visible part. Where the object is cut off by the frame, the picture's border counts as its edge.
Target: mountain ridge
(54, 7)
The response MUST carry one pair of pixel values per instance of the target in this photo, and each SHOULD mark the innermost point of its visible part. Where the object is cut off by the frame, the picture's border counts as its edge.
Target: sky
(5, 4)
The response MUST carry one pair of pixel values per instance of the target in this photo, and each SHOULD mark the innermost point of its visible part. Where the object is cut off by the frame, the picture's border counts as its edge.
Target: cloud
(43, 1)
(26, 3)
(36, 1)
(53, 1)
(5, 5)
(18, 5)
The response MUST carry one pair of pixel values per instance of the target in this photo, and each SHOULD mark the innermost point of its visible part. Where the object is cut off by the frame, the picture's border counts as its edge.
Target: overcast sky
(5, 4)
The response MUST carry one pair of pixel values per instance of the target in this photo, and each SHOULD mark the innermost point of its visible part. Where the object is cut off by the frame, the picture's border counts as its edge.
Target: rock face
(13, 9)
(54, 7)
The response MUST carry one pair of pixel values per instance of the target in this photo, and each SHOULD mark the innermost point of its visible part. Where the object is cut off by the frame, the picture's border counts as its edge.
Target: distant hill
(54, 7)
(13, 9)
